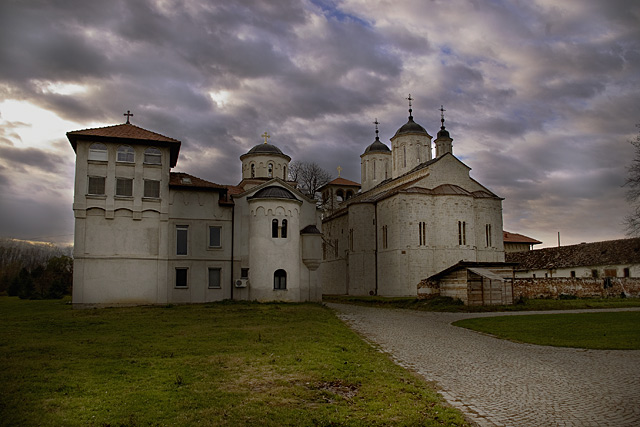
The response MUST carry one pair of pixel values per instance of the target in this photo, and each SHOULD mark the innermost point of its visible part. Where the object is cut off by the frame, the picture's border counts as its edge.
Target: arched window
(152, 156)
(340, 195)
(98, 152)
(350, 194)
(125, 154)
(280, 279)
(284, 173)
(270, 170)
(283, 230)
(274, 228)
(253, 170)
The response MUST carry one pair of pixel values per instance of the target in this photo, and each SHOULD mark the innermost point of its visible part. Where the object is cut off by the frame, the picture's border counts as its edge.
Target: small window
(152, 156)
(181, 277)
(182, 233)
(214, 278)
(573, 273)
(351, 239)
(125, 154)
(283, 230)
(98, 152)
(151, 188)
(340, 195)
(214, 237)
(270, 170)
(280, 279)
(244, 273)
(422, 233)
(96, 185)
(253, 170)
(487, 231)
(462, 233)
(384, 237)
(274, 228)
(594, 273)
(349, 194)
(625, 272)
(124, 187)
(284, 173)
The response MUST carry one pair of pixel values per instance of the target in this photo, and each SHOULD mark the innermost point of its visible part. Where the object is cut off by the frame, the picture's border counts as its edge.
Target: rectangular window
(594, 273)
(244, 273)
(625, 272)
(462, 233)
(384, 237)
(214, 237)
(152, 188)
(351, 239)
(182, 233)
(573, 273)
(422, 232)
(181, 277)
(96, 185)
(124, 187)
(488, 234)
(214, 278)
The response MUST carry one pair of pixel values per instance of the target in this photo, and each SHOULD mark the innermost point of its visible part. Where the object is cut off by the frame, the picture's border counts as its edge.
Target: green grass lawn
(605, 330)
(450, 305)
(213, 364)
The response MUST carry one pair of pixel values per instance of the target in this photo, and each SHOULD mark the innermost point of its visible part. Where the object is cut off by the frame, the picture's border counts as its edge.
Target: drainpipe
(233, 233)
(375, 210)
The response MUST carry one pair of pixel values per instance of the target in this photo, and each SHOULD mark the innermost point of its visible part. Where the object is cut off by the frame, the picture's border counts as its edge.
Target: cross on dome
(376, 122)
(410, 110)
(266, 136)
(128, 114)
(442, 110)
(339, 170)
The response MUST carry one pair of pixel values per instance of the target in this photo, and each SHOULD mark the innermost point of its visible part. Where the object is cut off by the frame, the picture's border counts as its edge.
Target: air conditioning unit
(242, 283)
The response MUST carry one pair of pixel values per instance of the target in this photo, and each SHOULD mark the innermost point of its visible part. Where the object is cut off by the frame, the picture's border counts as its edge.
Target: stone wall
(579, 287)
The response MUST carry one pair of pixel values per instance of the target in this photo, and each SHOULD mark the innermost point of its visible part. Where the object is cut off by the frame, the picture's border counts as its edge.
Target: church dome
(443, 133)
(377, 146)
(265, 148)
(411, 127)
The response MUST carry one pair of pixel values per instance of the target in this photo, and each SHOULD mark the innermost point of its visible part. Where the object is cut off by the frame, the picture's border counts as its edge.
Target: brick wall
(580, 287)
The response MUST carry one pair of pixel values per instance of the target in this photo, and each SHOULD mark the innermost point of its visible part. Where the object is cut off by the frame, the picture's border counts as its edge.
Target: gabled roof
(126, 134)
(341, 182)
(186, 181)
(476, 266)
(610, 252)
(508, 237)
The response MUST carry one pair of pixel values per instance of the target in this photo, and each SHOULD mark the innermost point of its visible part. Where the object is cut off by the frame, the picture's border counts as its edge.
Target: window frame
(270, 170)
(94, 151)
(280, 280)
(104, 183)
(128, 152)
(118, 188)
(148, 152)
(145, 195)
(283, 229)
(186, 278)
(209, 276)
(274, 228)
(209, 245)
(179, 231)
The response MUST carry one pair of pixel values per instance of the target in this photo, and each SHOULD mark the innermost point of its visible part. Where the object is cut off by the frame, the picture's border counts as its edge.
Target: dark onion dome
(273, 192)
(411, 127)
(265, 149)
(443, 133)
(377, 146)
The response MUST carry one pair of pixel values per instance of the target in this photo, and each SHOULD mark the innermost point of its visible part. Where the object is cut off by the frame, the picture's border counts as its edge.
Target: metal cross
(376, 123)
(128, 114)
(410, 99)
(442, 110)
(266, 136)
(339, 170)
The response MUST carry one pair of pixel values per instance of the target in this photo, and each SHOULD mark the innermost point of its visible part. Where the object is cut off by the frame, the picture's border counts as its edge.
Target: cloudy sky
(541, 96)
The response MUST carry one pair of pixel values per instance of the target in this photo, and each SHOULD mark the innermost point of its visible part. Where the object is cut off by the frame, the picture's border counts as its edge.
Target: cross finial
(266, 136)
(410, 110)
(128, 114)
(339, 170)
(376, 122)
(442, 110)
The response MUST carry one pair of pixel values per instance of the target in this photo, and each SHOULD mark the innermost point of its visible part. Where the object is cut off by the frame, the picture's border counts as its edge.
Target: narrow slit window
(182, 239)
(274, 228)
(283, 230)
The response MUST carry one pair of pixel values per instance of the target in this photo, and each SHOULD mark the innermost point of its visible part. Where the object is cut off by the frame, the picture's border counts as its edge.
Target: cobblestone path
(500, 383)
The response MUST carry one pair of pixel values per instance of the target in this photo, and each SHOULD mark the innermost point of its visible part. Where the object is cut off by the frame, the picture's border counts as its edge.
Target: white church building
(416, 215)
(146, 235)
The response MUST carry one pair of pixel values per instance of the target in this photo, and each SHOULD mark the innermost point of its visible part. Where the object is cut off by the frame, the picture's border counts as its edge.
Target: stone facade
(146, 235)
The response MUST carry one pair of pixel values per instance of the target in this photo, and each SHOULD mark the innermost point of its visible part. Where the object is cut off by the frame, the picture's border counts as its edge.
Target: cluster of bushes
(34, 270)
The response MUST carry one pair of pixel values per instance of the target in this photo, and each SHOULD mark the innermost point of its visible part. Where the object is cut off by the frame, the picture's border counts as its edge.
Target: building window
(284, 173)
(274, 228)
(349, 194)
(384, 237)
(280, 279)
(214, 278)
(462, 233)
(126, 154)
(244, 273)
(96, 185)
(253, 170)
(98, 152)
(404, 156)
(573, 273)
(283, 230)
(487, 232)
(152, 156)
(124, 187)
(182, 239)
(215, 233)
(182, 275)
(422, 231)
(625, 272)
(270, 170)
(351, 239)
(339, 195)
(151, 189)
(594, 273)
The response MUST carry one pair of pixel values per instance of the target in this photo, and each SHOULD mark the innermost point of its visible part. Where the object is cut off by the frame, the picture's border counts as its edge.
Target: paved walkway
(500, 383)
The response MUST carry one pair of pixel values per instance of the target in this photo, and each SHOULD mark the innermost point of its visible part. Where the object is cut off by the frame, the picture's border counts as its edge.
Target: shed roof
(509, 237)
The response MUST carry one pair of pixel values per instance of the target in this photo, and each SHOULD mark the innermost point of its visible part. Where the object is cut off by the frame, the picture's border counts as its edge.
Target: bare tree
(632, 221)
(309, 176)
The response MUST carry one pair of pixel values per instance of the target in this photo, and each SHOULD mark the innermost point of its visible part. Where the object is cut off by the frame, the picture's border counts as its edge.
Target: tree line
(34, 270)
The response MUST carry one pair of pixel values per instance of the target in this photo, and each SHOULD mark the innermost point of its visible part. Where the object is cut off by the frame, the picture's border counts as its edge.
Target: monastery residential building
(416, 215)
(145, 235)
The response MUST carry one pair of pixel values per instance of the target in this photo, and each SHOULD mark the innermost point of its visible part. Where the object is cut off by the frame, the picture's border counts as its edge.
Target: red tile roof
(518, 238)
(184, 180)
(126, 134)
(342, 181)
